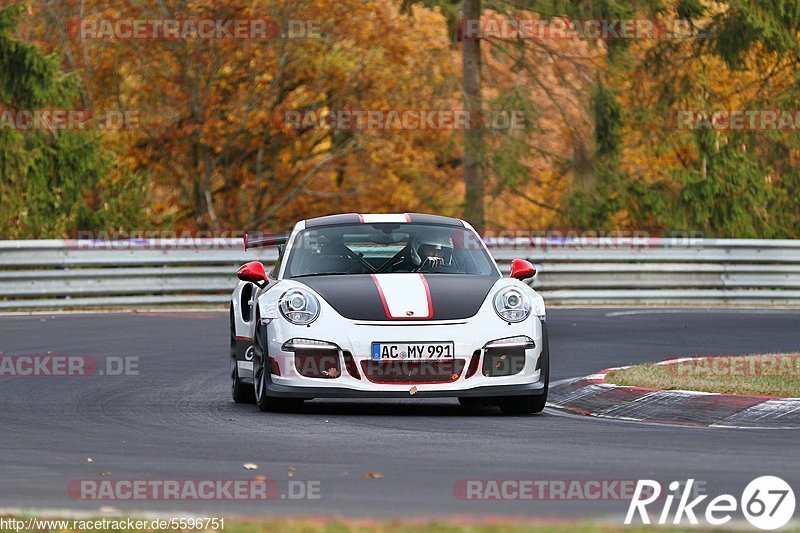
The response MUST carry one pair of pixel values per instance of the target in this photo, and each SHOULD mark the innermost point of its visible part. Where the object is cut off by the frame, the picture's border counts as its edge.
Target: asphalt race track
(175, 420)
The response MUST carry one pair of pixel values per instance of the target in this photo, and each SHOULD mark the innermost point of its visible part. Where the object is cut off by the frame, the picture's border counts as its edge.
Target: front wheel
(525, 405)
(260, 378)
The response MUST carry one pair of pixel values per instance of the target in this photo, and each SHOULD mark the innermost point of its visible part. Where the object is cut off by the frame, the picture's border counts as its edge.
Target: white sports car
(377, 306)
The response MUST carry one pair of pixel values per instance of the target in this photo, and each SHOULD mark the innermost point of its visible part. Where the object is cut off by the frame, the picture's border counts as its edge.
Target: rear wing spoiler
(262, 240)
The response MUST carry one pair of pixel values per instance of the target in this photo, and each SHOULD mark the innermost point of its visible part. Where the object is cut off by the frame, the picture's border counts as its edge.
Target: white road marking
(704, 310)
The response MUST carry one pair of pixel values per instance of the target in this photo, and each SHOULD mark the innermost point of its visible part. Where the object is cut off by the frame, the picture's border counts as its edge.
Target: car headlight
(299, 306)
(512, 305)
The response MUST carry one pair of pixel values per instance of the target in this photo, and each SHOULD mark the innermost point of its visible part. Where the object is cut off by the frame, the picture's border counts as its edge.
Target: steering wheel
(430, 262)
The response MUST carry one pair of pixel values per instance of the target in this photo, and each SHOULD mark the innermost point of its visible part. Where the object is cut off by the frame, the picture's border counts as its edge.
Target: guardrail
(49, 274)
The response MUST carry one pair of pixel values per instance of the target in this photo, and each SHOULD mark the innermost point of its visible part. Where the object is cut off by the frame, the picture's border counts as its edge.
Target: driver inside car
(423, 255)
(435, 254)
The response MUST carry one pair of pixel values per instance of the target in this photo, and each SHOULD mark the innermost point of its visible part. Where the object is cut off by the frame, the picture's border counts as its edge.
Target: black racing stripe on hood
(356, 297)
(458, 296)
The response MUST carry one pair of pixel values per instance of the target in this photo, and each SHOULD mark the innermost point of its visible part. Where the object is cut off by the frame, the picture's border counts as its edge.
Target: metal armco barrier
(58, 274)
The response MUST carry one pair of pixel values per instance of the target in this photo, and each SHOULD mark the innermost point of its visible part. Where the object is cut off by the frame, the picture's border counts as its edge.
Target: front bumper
(285, 391)
(354, 340)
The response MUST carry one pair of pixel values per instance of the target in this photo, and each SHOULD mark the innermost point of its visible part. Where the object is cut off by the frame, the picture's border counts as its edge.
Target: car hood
(389, 297)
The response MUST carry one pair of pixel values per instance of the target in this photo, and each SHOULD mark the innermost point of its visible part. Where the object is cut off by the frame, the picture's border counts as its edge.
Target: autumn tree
(212, 133)
(597, 151)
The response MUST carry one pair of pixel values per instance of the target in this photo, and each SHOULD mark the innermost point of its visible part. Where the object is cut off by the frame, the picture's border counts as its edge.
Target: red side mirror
(521, 269)
(252, 272)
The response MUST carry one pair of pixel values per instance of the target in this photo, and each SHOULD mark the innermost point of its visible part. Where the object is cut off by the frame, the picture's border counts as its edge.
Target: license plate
(413, 351)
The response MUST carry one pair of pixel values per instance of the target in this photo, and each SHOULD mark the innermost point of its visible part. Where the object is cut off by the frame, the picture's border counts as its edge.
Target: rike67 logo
(767, 503)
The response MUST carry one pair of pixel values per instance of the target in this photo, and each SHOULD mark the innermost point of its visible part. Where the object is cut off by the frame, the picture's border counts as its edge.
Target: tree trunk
(473, 137)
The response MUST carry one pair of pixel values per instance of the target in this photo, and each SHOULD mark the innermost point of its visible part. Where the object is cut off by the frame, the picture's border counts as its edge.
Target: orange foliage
(217, 158)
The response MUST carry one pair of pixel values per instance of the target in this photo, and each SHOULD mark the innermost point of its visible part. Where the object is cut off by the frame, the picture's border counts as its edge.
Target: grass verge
(758, 375)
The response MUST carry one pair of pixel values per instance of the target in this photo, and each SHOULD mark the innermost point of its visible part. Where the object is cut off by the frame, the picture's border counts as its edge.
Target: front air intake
(400, 372)
(503, 361)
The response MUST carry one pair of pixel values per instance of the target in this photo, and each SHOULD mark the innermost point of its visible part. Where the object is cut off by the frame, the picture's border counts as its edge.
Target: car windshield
(387, 248)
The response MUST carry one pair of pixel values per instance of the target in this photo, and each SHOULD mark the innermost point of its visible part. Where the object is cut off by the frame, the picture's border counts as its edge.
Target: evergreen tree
(592, 202)
(53, 182)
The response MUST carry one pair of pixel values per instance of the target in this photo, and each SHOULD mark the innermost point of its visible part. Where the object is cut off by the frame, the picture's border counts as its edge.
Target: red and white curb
(592, 396)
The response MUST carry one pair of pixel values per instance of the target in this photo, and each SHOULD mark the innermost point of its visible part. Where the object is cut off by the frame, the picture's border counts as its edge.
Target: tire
(260, 378)
(240, 392)
(525, 405)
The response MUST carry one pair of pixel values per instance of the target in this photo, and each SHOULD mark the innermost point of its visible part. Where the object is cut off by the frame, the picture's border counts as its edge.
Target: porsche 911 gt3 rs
(376, 306)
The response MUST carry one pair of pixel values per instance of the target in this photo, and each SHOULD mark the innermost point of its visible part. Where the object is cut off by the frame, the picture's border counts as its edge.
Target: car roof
(405, 218)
